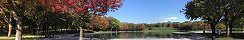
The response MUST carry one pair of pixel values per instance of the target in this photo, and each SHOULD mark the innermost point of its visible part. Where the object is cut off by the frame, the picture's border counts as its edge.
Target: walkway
(153, 39)
(207, 32)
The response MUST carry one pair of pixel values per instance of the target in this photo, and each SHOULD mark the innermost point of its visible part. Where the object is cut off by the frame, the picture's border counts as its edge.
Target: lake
(124, 35)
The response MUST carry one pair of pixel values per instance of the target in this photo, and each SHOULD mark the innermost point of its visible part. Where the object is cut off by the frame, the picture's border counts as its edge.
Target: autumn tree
(104, 24)
(123, 26)
(141, 26)
(94, 23)
(99, 23)
(98, 7)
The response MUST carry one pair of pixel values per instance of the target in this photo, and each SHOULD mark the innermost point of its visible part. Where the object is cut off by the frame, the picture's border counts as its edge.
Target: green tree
(233, 12)
(113, 23)
(14, 12)
(210, 10)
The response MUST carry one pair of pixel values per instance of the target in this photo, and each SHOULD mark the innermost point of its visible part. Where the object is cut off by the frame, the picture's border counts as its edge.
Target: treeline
(49, 16)
(42, 23)
(190, 25)
(215, 12)
(42, 20)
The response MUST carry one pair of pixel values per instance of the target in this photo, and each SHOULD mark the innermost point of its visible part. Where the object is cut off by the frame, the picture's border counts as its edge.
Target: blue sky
(150, 11)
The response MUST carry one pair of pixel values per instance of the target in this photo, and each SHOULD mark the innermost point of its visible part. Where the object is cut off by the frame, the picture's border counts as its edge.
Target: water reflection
(121, 35)
(135, 35)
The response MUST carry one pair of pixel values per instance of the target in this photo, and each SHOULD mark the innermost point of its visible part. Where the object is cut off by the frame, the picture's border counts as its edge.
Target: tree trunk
(44, 31)
(81, 33)
(29, 29)
(1, 28)
(227, 28)
(227, 31)
(37, 30)
(19, 27)
(231, 26)
(32, 30)
(18, 32)
(242, 28)
(230, 29)
(213, 31)
(204, 30)
(9, 29)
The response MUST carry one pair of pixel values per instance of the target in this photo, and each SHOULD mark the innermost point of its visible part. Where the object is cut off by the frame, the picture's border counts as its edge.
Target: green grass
(25, 36)
(165, 30)
(160, 29)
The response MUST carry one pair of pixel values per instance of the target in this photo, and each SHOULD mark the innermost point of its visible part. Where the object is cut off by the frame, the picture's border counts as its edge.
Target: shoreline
(24, 37)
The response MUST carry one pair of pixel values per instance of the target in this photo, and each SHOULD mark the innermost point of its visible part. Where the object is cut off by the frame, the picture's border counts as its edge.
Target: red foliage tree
(100, 7)
(97, 7)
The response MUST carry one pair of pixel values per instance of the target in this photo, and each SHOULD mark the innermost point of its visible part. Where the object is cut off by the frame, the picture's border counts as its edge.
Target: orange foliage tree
(94, 22)
(141, 26)
(99, 23)
(104, 24)
(123, 26)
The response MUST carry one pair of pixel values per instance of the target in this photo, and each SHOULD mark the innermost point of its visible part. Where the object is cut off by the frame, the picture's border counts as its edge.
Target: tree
(141, 26)
(7, 16)
(94, 23)
(123, 26)
(99, 23)
(104, 24)
(100, 7)
(14, 11)
(210, 10)
(233, 12)
(220, 26)
(16, 8)
(113, 23)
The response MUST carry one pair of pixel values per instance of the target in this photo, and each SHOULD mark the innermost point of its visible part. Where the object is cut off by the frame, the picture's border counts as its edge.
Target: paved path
(153, 39)
(216, 31)
(208, 32)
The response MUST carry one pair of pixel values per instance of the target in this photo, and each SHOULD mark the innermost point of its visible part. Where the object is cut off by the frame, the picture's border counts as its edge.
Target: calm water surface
(123, 35)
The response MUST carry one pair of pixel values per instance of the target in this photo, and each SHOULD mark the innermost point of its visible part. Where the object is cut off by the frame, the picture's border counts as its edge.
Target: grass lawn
(160, 29)
(25, 36)
(164, 30)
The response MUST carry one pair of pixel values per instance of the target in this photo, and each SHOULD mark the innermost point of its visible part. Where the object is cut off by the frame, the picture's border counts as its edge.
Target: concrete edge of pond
(24, 37)
(112, 32)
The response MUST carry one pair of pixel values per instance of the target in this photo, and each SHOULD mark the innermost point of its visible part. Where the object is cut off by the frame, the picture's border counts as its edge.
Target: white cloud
(169, 18)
